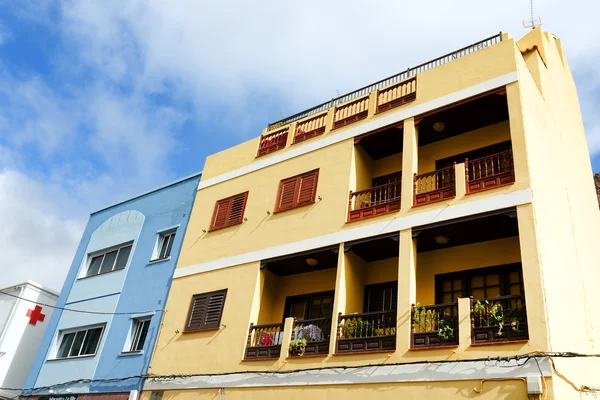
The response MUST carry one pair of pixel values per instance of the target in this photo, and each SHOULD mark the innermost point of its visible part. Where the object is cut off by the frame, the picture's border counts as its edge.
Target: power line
(80, 311)
(523, 358)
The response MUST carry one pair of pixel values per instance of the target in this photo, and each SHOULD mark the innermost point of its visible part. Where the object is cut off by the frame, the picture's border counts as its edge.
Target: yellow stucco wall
(505, 390)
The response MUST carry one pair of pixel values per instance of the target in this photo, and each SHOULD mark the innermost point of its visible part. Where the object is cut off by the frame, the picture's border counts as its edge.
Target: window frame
(134, 332)
(503, 272)
(227, 224)
(295, 202)
(307, 298)
(103, 253)
(208, 295)
(66, 332)
(393, 285)
(171, 233)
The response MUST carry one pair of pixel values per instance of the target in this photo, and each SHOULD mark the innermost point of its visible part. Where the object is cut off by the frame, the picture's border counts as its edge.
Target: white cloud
(37, 242)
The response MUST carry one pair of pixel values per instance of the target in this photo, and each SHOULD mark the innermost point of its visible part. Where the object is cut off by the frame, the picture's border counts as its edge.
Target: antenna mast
(533, 22)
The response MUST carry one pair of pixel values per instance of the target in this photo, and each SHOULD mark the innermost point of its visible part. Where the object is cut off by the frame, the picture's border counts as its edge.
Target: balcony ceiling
(382, 143)
(469, 231)
(297, 263)
(376, 249)
(464, 117)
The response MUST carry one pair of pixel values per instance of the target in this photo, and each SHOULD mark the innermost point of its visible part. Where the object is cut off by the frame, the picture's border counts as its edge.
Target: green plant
(445, 330)
(495, 315)
(298, 346)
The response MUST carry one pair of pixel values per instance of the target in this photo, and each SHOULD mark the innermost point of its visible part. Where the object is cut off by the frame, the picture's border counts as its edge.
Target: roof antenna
(533, 22)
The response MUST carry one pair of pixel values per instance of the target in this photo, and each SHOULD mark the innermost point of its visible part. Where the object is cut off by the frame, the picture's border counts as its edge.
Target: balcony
(431, 187)
(298, 288)
(272, 142)
(434, 326)
(366, 332)
(378, 200)
(469, 270)
(489, 172)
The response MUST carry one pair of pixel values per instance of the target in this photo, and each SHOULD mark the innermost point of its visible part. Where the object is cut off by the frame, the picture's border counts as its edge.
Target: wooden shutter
(229, 211)
(297, 191)
(307, 188)
(205, 311)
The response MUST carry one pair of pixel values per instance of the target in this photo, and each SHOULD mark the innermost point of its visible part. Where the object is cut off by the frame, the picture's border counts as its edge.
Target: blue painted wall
(141, 289)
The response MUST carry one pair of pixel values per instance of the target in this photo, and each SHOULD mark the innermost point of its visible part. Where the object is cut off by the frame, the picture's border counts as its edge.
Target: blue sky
(101, 100)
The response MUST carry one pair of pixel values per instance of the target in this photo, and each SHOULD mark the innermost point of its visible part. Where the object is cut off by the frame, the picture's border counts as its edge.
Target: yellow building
(428, 236)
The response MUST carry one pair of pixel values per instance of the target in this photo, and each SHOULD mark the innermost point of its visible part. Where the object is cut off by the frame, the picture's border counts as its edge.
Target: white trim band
(386, 120)
(417, 372)
(397, 224)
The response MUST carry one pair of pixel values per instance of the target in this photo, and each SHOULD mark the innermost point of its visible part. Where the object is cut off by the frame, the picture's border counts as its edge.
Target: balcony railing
(397, 95)
(434, 326)
(434, 186)
(489, 172)
(499, 319)
(264, 341)
(310, 128)
(410, 72)
(351, 112)
(366, 332)
(272, 142)
(378, 200)
(310, 336)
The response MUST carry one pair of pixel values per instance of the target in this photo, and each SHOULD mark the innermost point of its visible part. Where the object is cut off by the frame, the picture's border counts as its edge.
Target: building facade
(428, 236)
(99, 343)
(22, 325)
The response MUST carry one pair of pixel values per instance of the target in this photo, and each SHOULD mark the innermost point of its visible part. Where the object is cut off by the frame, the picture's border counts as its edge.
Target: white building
(22, 326)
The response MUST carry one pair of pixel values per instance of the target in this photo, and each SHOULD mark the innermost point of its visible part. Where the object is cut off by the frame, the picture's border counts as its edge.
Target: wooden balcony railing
(489, 171)
(405, 74)
(310, 128)
(397, 95)
(315, 332)
(366, 332)
(434, 326)
(351, 112)
(499, 319)
(378, 200)
(434, 186)
(264, 341)
(272, 142)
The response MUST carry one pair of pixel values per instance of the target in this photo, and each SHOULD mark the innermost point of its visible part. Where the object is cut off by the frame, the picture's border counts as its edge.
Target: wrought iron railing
(390, 80)
(264, 341)
(499, 319)
(434, 326)
(314, 333)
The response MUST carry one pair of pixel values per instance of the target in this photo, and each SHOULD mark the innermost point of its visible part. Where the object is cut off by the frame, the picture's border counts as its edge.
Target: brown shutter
(297, 191)
(238, 204)
(308, 188)
(206, 311)
(229, 211)
(287, 190)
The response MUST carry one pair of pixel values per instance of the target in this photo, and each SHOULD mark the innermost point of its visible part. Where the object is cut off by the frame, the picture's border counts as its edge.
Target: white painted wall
(19, 340)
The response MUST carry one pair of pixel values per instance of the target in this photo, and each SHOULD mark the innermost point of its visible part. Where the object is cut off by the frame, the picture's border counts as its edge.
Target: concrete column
(339, 300)
(329, 120)
(533, 284)
(287, 337)
(410, 162)
(461, 184)
(464, 323)
(517, 134)
(291, 133)
(407, 288)
(372, 103)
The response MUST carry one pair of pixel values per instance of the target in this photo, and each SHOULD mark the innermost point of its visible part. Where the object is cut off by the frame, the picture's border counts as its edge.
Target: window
(138, 337)
(79, 343)
(297, 191)
(229, 211)
(165, 245)
(309, 306)
(110, 260)
(206, 311)
(480, 283)
(381, 297)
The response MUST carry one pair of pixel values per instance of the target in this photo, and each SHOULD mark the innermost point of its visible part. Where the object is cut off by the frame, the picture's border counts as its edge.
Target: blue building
(102, 342)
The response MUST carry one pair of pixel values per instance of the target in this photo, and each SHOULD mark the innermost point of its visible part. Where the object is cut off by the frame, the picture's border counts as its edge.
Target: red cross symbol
(35, 315)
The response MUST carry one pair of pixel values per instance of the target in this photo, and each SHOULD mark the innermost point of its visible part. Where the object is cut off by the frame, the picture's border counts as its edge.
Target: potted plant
(298, 347)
